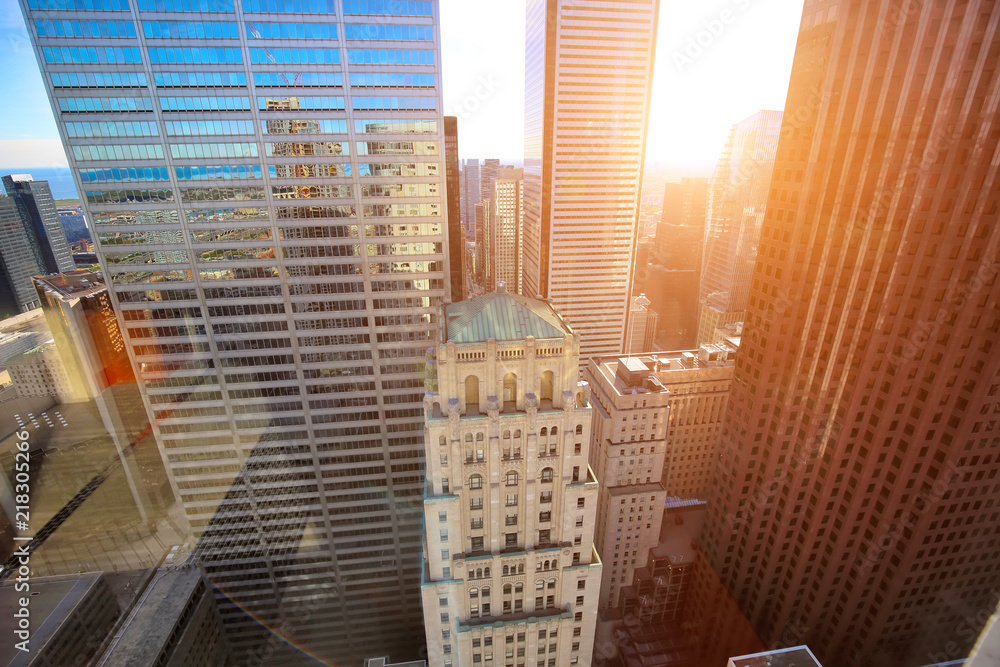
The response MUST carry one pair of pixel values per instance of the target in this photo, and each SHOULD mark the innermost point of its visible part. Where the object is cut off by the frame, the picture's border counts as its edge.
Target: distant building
(641, 327)
(383, 662)
(510, 504)
(38, 210)
(487, 174)
(504, 240)
(456, 234)
(17, 342)
(798, 656)
(40, 372)
(737, 197)
(82, 320)
(471, 192)
(18, 262)
(70, 617)
(174, 624)
(482, 223)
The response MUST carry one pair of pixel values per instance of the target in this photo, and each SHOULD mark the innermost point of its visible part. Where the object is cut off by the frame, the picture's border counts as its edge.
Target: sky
(717, 62)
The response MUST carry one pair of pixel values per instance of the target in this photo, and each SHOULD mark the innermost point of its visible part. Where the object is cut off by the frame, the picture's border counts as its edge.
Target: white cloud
(32, 153)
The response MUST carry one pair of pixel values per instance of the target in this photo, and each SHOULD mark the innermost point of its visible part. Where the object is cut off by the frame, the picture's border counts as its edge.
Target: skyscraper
(265, 181)
(511, 502)
(18, 262)
(506, 229)
(856, 491)
(587, 92)
(41, 221)
(487, 174)
(737, 197)
(456, 233)
(471, 194)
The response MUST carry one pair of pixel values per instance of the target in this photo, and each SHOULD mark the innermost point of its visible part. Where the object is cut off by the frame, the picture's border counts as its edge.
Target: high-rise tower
(587, 92)
(512, 577)
(41, 222)
(737, 197)
(506, 229)
(856, 493)
(265, 182)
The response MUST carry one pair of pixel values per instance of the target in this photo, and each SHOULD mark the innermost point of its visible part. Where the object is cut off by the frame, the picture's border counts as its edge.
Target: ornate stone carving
(454, 415)
(493, 408)
(429, 399)
(531, 407)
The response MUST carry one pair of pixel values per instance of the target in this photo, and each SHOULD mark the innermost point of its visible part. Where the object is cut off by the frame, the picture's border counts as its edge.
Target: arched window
(511, 478)
(506, 570)
(555, 430)
(517, 434)
(544, 433)
(579, 429)
(509, 388)
(520, 569)
(547, 377)
(468, 437)
(538, 566)
(506, 435)
(555, 564)
(506, 587)
(479, 437)
(547, 474)
(476, 482)
(471, 393)
(442, 441)
(479, 573)
(486, 572)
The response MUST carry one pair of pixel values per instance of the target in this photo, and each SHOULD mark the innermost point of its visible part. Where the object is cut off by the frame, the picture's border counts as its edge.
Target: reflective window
(124, 175)
(129, 196)
(131, 277)
(298, 79)
(284, 104)
(131, 238)
(185, 5)
(309, 191)
(389, 57)
(295, 56)
(395, 126)
(411, 103)
(199, 79)
(392, 80)
(158, 257)
(235, 234)
(195, 55)
(166, 216)
(119, 152)
(222, 194)
(385, 31)
(178, 128)
(398, 169)
(400, 210)
(289, 6)
(400, 190)
(420, 229)
(388, 7)
(190, 29)
(223, 172)
(291, 31)
(210, 215)
(205, 103)
(74, 28)
(397, 148)
(104, 104)
(212, 150)
(111, 129)
(305, 126)
(306, 148)
(88, 5)
(92, 54)
(98, 79)
(307, 212)
(308, 170)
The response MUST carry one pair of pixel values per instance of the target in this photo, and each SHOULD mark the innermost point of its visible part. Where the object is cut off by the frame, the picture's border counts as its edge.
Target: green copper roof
(502, 316)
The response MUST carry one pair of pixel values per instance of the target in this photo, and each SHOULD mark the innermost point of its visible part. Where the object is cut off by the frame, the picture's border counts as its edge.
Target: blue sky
(740, 66)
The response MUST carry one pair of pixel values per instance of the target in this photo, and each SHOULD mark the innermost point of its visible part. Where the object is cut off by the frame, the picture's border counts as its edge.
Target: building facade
(642, 326)
(855, 494)
(584, 144)
(511, 576)
(41, 222)
(471, 194)
(265, 184)
(505, 241)
(18, 262)
(737, 198)
(456, 232)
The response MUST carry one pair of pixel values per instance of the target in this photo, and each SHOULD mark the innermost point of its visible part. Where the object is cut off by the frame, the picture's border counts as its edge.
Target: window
(547, 474)
(578, 616)
(446, 572)
(545, 497)
(581, 584)
(544, 517)
(476, 482)
(579, 600)
(511, 478)
(581, 502)
(444, 618)
(510, 540)
(477, 543)
(442, 602)
(511, 499)
(444, 554)
(445, 634)
(446, 648)
(477, 523)
(445, 488)
(510, 520)
(543, 537)
(444, 534)
(476, 503)
(576, 558)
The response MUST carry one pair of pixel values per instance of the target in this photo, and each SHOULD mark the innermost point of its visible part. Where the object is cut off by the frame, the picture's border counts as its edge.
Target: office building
(471, 193)
(504, 240)
(174, 623)
(670, 280)
(484, 267)
(276, 253)
(856, 490)
(511, 575)
(18, 262)
(456, 232)
(41, 222)
(737, 197)
(40, 372)
(487, 175)
(584, 142)
(641, 326)
(69, 618)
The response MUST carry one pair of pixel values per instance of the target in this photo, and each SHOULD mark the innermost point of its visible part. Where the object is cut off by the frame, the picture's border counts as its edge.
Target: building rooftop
(52, 601)
(502, 316)
(798, 656)
(71, 285)
(383, 662)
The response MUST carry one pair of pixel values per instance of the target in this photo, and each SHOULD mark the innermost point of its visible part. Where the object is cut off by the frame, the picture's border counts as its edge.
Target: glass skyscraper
(265, 184)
